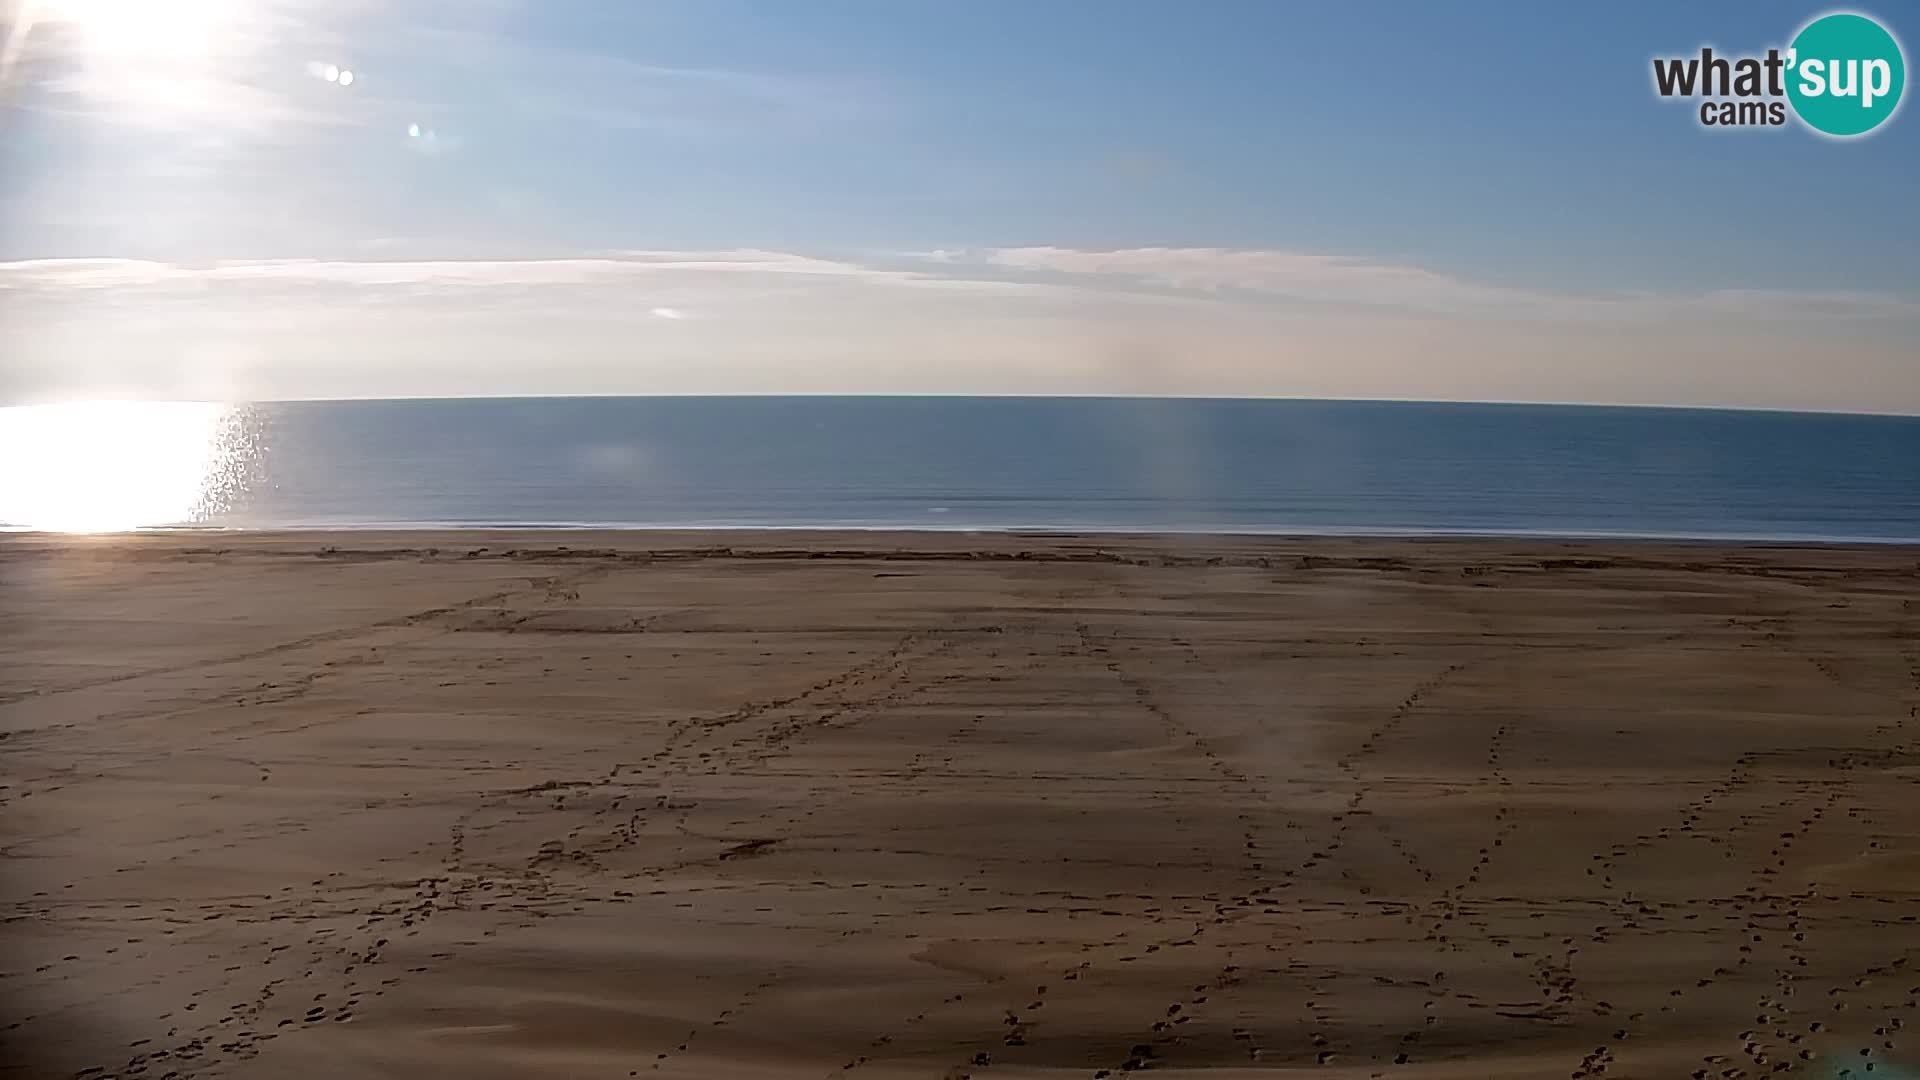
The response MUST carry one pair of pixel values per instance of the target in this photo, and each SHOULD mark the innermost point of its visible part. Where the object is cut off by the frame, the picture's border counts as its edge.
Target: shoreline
(626, 534)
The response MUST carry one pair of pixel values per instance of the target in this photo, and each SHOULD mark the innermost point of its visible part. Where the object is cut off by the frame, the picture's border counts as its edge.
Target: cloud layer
(1027, 319)
(1240, 279)
(1315, 278)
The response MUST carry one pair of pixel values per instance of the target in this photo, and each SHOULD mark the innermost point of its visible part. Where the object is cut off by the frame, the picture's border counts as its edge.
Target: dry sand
(872, 806)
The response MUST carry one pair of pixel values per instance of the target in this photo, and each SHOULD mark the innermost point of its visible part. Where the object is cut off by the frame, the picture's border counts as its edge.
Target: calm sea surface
(989, 463)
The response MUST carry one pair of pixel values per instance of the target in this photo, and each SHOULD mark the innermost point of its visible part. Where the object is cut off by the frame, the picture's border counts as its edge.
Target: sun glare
(109, 466)
(181, 31)
(162, 57)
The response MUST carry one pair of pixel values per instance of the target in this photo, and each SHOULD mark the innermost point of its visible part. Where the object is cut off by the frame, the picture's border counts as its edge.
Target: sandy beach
(872, 806)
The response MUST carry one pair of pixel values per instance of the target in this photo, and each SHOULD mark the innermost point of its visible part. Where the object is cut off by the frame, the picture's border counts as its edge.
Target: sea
(965, 463)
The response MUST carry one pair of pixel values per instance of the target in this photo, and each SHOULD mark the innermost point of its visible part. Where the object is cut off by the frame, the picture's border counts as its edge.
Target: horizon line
(1011, 396)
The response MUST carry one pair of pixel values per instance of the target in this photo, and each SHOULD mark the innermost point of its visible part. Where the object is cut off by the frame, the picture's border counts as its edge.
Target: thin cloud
(55, 276)
(1244, 281)
(474, 273)
(1228, 282)
(770, 321)
(1316, 278)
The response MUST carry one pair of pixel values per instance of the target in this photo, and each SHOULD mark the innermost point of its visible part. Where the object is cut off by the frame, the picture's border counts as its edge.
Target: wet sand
(939, 805)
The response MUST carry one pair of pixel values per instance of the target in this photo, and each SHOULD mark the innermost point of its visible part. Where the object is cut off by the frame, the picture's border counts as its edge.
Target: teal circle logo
(1845, 73)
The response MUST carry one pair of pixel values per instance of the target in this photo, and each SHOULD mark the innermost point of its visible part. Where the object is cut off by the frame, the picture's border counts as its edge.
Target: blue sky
(1397, 200)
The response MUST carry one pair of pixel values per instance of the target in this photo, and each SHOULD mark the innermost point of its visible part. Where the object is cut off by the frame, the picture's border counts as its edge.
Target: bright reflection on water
(112, 465)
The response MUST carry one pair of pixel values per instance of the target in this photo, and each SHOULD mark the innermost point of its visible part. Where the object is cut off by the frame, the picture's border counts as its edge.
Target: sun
(163, 55)
(153, 30)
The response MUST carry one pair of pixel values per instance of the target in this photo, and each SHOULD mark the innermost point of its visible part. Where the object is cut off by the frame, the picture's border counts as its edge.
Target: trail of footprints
(1350, 762)
(1775, 918)
(721, 1018)
(1774, 923)
(340, 951)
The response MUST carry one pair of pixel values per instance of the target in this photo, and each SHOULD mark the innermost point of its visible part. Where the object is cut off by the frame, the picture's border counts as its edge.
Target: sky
(256, 199)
